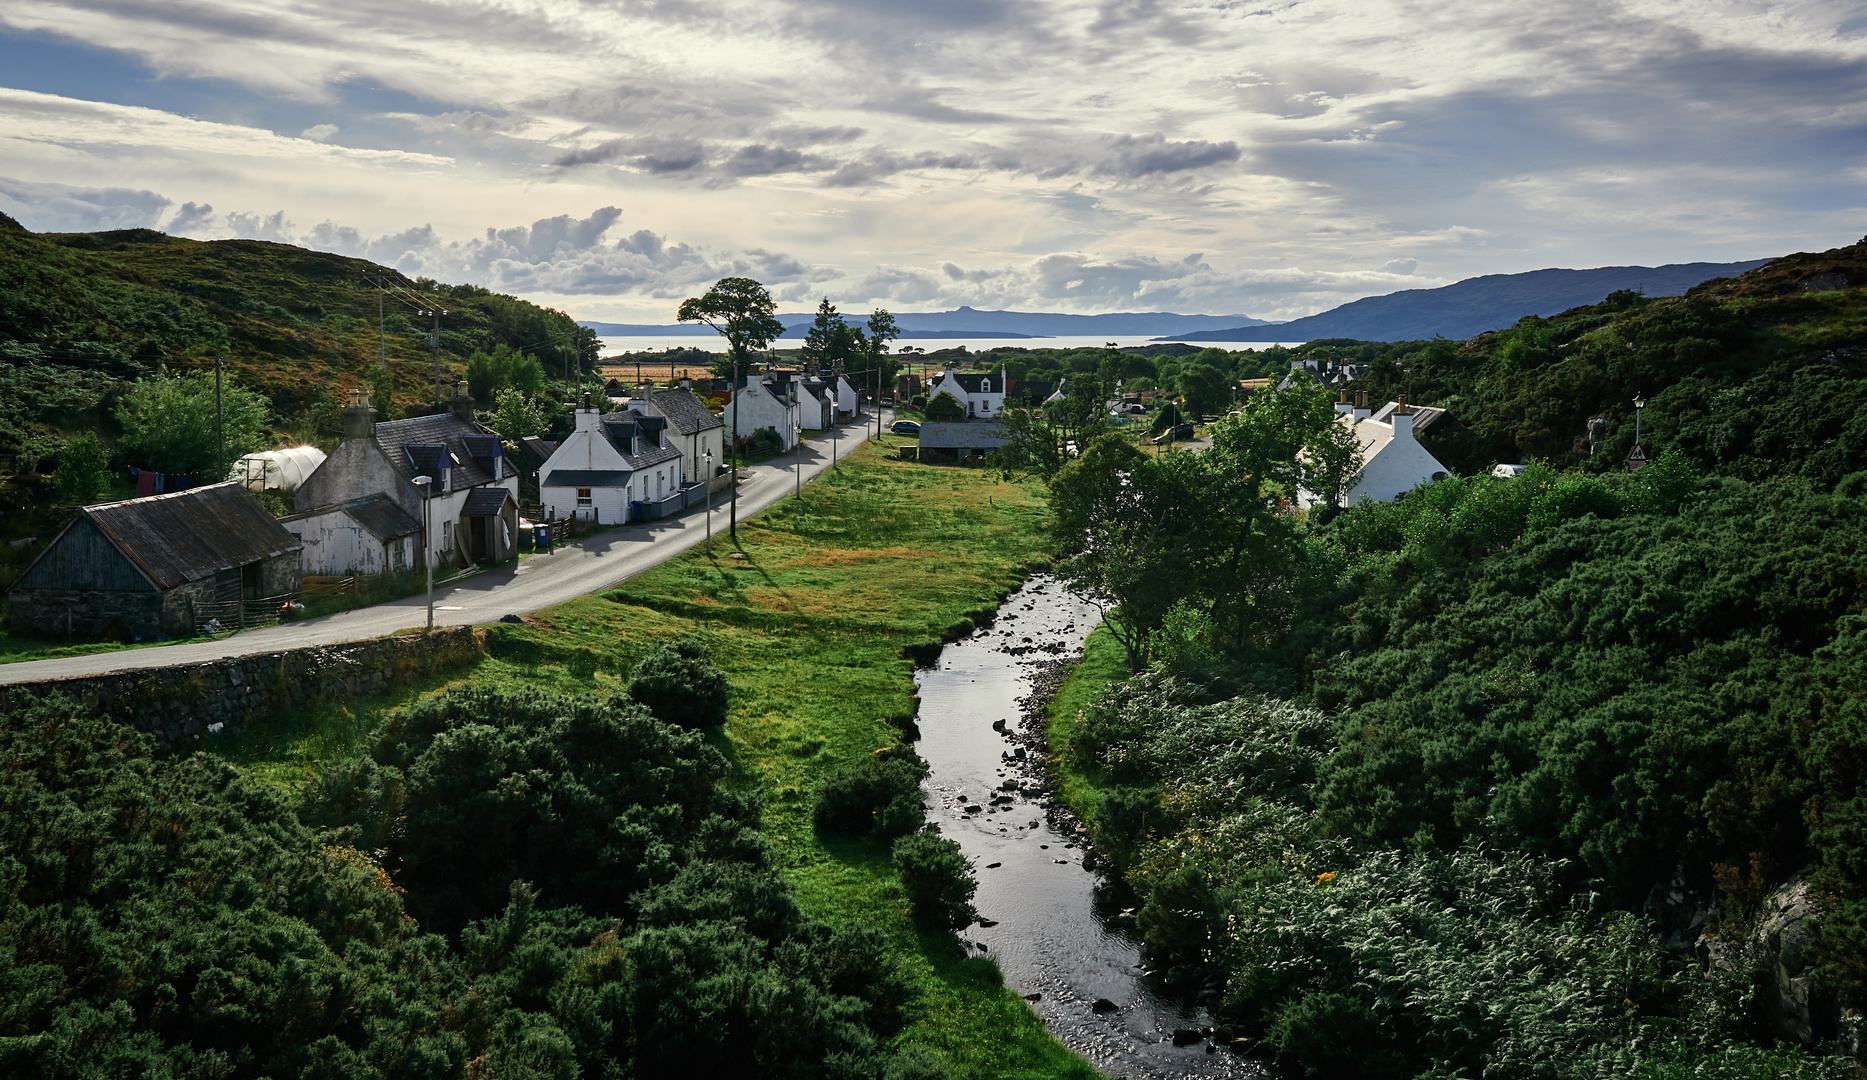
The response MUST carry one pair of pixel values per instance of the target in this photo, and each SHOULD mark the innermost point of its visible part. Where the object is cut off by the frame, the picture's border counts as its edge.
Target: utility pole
(734, 389)
(220, 431)
(382, 331)
(434, 343)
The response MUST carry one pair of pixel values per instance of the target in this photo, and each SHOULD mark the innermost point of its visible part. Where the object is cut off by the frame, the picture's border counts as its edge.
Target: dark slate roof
(482, 447)
(442, 429)
(685, 411)
(971, 380)
(537, 450)
(188, 535)
(486, 500)
(377, 513)
(621, 427)
(590, 478)
(1035, 391)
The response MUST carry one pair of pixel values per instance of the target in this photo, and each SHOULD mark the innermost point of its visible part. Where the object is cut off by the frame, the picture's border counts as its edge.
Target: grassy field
(812, 613)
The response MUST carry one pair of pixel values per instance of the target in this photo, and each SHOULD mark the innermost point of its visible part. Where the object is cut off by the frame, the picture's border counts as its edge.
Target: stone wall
(179, 705)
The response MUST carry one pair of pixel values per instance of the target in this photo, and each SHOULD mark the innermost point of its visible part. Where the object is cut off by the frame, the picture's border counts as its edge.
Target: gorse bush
(678, 683)
(880, 797)
(938, 879)
(606, 910)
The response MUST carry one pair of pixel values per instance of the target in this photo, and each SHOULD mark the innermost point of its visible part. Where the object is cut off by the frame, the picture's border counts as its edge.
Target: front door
(476, 538)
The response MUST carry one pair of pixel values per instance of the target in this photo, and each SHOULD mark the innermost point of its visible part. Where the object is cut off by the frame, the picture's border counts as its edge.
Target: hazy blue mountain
(971, 322)
(1470, 307)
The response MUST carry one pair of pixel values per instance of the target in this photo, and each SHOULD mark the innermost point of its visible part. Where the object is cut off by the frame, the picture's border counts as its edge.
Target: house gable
(81, 557)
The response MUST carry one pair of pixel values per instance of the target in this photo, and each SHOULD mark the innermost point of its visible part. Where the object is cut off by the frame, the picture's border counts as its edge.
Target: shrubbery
(938, 879)
(604, 910)
(679, 684)
(880, 797)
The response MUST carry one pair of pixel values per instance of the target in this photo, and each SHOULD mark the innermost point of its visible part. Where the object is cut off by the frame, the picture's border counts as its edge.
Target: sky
(1256, 157)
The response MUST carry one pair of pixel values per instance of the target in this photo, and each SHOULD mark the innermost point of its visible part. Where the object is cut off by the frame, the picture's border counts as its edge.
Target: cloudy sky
(1265, 157)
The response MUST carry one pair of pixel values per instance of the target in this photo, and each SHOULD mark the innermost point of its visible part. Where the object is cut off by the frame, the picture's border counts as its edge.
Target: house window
(447, 536)
(583, 497)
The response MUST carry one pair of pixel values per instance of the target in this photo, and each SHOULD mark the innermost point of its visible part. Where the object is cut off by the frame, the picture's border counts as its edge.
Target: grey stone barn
(155, 566)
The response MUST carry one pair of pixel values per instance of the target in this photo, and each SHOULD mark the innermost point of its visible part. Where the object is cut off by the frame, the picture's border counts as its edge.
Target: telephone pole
(220, 431)
(382, 331)
(434, 343)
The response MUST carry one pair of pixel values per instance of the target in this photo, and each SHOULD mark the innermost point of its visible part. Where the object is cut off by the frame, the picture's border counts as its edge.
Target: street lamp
(797, 465)
(1639, 404)
(708, 480)
(427, 540)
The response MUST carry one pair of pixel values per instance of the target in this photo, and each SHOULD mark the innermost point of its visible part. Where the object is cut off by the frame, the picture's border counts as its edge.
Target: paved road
(590, 565)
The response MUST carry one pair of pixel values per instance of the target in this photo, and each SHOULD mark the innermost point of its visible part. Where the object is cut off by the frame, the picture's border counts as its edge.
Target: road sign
(1638, 458)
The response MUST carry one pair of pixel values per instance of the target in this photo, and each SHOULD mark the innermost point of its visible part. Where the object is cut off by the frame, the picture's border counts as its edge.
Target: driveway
(590, 565)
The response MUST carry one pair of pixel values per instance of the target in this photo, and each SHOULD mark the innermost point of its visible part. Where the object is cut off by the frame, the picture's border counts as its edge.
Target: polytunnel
(277, 470)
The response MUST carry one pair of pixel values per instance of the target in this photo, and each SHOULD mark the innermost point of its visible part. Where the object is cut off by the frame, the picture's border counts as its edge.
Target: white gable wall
(586, 450)
(759, 409)
(1395, 462)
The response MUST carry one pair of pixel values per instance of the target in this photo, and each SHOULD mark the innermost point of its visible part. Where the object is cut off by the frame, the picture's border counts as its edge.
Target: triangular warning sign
(1638, 457)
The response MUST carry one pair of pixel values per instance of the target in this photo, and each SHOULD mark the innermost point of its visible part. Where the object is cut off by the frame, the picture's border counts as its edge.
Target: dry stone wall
(180, 705)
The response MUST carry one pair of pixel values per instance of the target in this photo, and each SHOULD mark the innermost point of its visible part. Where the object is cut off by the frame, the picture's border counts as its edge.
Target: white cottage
(366, 536)
(608, 464)
(695, 430)
(983, 393)
(472, 495)
(760, 404)
(1393, 461)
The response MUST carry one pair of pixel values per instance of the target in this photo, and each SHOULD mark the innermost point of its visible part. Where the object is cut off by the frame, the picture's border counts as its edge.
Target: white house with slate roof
(763, 404)
(982, 393)
(610, 462)
(473, 493)
(693, 428)
(1393, 461)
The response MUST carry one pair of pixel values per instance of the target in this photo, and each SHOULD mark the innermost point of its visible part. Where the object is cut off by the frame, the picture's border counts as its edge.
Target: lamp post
(797, 466)
(1639, 404)
(427, 541)
(834, 432)
(709, 482)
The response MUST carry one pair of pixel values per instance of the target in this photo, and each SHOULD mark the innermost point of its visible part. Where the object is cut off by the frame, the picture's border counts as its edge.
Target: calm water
(1057, 931)
(616, 344)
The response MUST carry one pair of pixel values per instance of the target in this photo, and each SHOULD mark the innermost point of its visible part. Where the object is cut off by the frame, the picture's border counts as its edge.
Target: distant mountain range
(1467, 308)
(966, 322)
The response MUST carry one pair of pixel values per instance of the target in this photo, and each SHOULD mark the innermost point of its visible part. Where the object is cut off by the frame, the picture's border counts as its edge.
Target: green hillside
(82, 314)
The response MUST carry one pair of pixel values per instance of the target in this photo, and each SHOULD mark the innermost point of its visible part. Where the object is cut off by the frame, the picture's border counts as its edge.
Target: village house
(982, 393)
(694, 430)
(472, 495)
(1393, 461)
(367, 536)
(758, 404)
(612, 467)
(159, 565)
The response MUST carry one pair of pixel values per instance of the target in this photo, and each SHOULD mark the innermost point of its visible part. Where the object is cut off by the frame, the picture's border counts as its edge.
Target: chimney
(359, 418)
(1342, 407)
(1362, 412)
(585, 416)
(1403, 420)
(460, 404)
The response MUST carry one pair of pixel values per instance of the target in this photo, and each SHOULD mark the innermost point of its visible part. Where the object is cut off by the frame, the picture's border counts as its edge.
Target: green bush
(679, 684)
(880, 797)
(938, 879)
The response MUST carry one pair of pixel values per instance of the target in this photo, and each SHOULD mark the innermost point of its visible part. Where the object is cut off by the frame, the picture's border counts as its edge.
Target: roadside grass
(812, 613)
(1104, 663)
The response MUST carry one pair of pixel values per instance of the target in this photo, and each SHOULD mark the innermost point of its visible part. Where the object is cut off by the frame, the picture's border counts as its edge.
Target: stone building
(473, 491)
(158, 565)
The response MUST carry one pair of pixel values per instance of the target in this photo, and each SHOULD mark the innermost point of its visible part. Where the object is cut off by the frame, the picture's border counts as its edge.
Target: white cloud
(319, 132)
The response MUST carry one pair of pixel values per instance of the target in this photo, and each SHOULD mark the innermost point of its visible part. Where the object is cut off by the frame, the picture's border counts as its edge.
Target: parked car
(905, 427)
(1180, 433)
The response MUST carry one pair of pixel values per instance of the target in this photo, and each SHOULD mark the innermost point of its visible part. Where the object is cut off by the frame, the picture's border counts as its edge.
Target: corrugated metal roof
(188, 535)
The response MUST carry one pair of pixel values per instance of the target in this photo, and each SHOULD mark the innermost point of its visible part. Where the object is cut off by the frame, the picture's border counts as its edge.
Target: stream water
(1062, 935)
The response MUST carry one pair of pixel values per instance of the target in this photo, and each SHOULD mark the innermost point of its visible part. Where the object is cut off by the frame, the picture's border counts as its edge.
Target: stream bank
(1062, 935)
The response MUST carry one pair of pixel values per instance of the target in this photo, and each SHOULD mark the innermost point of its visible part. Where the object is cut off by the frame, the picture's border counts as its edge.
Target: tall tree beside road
(827, 338)
(741, 310)
(1205, 389)
(743, 313)
(882, 367)
(168, 423)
